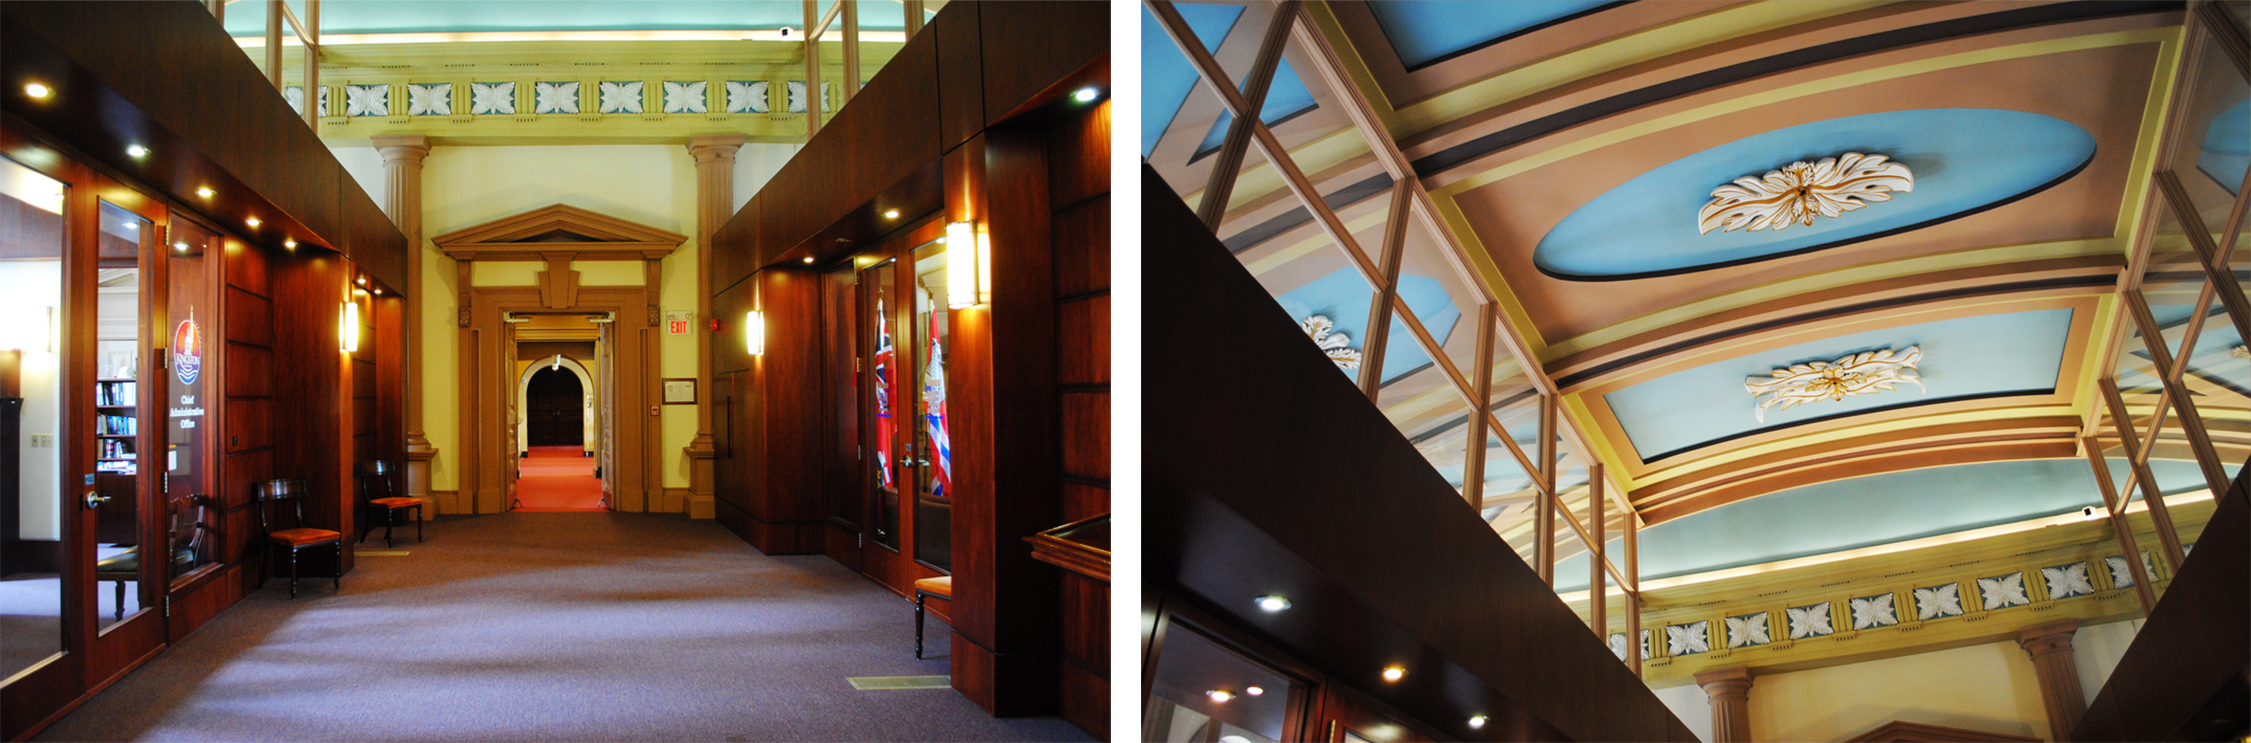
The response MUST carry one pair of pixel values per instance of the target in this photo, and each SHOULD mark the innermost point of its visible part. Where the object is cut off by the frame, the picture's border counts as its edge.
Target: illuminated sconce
(349, 334)
(967, 278)
(754, 333)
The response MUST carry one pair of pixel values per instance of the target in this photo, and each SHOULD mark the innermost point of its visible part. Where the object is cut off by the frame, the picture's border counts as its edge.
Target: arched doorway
(554, 409)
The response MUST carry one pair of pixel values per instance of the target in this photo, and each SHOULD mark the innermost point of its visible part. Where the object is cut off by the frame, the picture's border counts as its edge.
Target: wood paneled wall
(314, 393)
(767, 410)
(1078, 157)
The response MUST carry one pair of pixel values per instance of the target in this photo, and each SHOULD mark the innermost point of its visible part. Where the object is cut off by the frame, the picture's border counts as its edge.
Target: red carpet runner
(558, 478)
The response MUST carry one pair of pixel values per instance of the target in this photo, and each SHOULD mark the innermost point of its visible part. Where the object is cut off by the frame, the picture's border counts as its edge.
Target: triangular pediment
(558, 228)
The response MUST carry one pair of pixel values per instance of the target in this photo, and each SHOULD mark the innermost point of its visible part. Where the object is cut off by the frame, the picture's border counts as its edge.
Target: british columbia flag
(934, 417)
(883, 422)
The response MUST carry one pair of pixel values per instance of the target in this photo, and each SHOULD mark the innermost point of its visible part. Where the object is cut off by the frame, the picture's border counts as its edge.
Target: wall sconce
(349, 333)
(968, 252)
(754, 333)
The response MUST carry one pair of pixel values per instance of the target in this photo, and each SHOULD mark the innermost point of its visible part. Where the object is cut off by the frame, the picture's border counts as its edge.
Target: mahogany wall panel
(1028, 47)
(1084, 327)
(1082, 247)
(312, 415)
(1086, 439)
(961, 74)
(250, 317)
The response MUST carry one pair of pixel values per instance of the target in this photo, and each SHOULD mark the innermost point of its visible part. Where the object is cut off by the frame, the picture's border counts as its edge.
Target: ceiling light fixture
(890, 214)
(136, 150)
(1394, 672)
(808, 259)
(1085, 95)
(132, 227)
(1476, 721)
(180, 246)
(1219, 696)
(1253, 690)
(1271, 603)
(204, 192)
(36, 90)
(290, 243)
(253, 221)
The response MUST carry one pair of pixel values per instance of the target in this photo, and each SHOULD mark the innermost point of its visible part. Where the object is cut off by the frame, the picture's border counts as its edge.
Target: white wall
(1989, 687)
(33, 287)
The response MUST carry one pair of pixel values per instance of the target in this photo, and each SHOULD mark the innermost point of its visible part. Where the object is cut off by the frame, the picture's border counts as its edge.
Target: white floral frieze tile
(621, 97)
(486, 99)
(1869, 612)
(2066, 581)
(1935, 602)
(747, 97)
(1688, 639)
(1618, 645)
(797, 96)
(1645, 651)
(429, 99)
(686, 97)
(295, 95)
(2003, 591)
(367, 100)
(2122, 576)
(554, 98)
(321, 105)
(1809, 621)
(1747, 630)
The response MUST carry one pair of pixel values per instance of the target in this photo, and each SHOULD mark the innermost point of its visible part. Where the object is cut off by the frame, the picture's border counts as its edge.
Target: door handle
(95, 500)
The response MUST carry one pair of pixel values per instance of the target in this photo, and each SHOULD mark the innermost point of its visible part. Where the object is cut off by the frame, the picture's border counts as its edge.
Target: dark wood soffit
(1392, 565)
(873, 155)
(166, 75)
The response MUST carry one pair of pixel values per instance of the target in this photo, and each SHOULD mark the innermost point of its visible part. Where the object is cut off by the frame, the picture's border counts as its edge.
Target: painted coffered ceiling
(1570, 146)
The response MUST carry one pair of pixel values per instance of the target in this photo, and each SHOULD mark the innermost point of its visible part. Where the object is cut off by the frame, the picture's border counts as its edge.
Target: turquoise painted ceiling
(468, 16)
(1965, 160)
(1167, 77)
(1871, 511)
(2226, 148)
(1432, 30)
(1344, 297)
(1980, 356)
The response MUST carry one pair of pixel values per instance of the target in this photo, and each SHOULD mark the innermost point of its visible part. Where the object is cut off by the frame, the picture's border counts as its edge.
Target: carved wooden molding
(1902, 730)
(585, 235)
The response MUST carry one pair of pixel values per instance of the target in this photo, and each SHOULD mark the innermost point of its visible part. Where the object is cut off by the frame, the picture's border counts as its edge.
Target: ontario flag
(883, 422)
(934, 417)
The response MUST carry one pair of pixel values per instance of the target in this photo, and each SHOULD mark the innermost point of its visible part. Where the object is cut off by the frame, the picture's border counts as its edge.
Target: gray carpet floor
(554, 626)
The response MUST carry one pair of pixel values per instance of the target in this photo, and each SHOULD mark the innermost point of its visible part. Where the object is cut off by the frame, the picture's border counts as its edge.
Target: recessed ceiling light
(363, 281)
(1273, 603)
(1394, 673)
(1253, 690)
(182, 247)
(808, 259)
(1476, 721)
(253, 221)
(890, 214)
(137, 150)
(132, 227)
(378, 292)
(36, 90)
(289, 243)
(1085, 94)
(204, 191)
(1219, 695)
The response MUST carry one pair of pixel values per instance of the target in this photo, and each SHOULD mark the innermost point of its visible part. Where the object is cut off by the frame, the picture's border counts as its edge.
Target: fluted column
(402, 199)
(715, 199)
(2050, 647)
(1729, 692)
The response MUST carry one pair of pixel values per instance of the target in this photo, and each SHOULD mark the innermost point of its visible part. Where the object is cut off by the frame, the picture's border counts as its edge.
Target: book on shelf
(115, 394)
(117, 425)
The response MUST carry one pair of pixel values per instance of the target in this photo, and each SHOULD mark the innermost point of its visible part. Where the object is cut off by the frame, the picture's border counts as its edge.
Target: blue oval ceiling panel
(1964, 160)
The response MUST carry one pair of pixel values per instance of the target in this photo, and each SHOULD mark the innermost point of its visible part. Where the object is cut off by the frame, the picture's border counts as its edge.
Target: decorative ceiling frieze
(1864, 373)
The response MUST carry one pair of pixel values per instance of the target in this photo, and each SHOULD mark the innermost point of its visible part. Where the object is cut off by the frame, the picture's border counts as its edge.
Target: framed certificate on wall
(680, 391)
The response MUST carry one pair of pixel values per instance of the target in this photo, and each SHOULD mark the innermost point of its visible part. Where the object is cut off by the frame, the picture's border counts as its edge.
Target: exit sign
(679, 322)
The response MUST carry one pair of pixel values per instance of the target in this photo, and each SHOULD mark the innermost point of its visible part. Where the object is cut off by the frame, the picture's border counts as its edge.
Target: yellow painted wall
(465, 186)
(1989, 687)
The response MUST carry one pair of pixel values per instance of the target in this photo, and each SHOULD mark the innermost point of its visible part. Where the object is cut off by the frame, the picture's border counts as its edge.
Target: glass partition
(121, 398)
(32, 490)
(886, 403)
(1204, 691)
(934, 490)
(191, 518)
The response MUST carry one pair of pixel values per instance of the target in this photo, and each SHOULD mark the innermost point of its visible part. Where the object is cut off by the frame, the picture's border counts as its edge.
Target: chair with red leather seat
(298, 536)
(378, 473)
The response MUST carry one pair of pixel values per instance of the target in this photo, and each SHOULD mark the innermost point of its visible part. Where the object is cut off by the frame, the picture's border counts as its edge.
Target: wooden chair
(387, 507)
(939, 587)
(121, 568)
(297, 537)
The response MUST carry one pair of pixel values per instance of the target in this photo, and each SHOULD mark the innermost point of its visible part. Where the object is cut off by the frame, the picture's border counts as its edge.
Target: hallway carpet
(555, 626)
(557, 478)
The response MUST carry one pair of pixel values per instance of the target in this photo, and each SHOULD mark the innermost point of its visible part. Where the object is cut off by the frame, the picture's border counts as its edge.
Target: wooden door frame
(898, 569)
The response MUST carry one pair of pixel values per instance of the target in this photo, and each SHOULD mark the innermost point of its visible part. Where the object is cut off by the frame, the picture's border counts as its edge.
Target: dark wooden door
(555, 409)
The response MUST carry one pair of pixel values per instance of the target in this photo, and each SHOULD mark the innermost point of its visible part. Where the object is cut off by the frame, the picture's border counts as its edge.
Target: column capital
(2042, 639)
(721, 147)
(1725, 681)
(402, 147)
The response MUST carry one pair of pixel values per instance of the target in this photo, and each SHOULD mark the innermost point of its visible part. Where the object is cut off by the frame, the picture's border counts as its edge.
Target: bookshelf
(116, 424)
